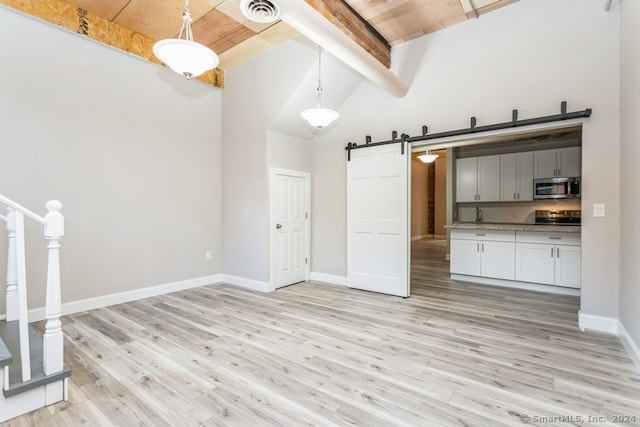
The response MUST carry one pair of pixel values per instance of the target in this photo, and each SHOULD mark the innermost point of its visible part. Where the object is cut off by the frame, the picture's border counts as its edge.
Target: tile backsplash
(512, 212)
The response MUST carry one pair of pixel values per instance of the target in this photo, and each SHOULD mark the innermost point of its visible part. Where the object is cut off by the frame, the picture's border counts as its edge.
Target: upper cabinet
(557, 162)
(478, 179)
(516, 176)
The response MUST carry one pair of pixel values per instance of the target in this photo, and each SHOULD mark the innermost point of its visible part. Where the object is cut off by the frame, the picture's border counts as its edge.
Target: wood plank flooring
(318, 354)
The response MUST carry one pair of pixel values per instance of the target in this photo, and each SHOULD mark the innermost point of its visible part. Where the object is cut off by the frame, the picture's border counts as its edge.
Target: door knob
(278, 226)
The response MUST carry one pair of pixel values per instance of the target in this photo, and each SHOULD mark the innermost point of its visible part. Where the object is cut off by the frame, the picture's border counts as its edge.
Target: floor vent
(262, 11)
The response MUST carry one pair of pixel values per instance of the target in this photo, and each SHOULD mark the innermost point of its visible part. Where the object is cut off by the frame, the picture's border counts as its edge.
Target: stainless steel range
(564, 217)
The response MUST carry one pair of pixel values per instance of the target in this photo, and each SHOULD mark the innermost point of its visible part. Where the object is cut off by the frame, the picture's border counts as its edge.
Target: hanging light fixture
(183, 55)
(319, 116)
(427, 157)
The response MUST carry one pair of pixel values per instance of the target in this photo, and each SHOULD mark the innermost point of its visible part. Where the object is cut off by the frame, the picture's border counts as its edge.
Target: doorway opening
(429, 208)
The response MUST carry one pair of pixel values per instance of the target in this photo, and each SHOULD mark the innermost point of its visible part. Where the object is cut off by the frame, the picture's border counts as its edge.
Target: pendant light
(183, 55)
(427, 157)
(319, 116)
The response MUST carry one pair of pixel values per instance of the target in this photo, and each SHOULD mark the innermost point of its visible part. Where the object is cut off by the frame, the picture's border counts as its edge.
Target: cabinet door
(535, 263)
(466, 179)
(544, 164)
(569, 161)
(489, 178)
(568, 266)
(465, 257)
(497, 260)
(509, 177)
(525, 176)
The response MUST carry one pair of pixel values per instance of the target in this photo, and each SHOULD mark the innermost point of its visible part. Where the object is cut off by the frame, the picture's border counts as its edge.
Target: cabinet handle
(551, 252)
(477, 247)
(514, 196)
(555, 238)
(483, 247)
(558, 252)
(559, 171)
(518, 196)
(480, 234)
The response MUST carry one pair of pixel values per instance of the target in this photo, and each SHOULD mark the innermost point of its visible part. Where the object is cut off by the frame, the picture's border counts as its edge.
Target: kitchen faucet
(478, 214)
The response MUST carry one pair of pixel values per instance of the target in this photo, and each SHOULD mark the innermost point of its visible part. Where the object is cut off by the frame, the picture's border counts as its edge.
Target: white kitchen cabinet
(485, 254)
(516, 176)
(478, 179)
(548, 258)
(557, 162)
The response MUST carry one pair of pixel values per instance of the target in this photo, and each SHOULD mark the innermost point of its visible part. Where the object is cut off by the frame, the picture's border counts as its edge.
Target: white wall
(531, 56)
(629, 171)
(131, 150)
(255, 92)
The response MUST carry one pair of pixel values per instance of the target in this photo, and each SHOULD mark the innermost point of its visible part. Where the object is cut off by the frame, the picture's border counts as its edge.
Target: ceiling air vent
(262, 11)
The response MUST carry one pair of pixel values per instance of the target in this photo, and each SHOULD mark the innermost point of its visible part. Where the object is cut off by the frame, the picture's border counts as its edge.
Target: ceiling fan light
(319, 117)
(186, 57)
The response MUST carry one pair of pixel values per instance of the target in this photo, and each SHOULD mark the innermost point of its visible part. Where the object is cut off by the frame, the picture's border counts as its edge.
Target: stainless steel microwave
(556, 188)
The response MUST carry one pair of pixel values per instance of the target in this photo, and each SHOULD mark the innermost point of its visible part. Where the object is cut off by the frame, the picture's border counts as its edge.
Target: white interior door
(289, 226)
(377, 219)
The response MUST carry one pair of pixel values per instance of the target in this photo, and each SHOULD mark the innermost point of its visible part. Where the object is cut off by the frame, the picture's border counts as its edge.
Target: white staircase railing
(16, 296)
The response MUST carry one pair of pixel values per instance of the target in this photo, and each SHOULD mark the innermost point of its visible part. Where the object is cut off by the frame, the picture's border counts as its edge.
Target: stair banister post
(53, 339)
(12, 308)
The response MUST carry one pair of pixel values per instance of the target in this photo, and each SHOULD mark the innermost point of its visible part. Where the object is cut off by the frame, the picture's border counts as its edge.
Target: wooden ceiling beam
(78, 20)
(340, 14)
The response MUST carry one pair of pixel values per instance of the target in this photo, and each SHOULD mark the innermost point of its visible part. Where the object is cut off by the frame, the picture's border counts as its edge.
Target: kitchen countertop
(513, 227)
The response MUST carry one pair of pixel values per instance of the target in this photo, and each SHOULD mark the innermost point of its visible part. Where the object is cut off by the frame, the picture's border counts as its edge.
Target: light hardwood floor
(318, 354)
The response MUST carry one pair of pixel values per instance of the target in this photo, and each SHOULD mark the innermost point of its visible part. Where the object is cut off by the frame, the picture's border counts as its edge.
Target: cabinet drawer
(548, 238)
(492, 235)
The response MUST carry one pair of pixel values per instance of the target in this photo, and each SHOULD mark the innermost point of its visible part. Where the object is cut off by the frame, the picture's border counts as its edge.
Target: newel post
(53, 339)
(12, 309)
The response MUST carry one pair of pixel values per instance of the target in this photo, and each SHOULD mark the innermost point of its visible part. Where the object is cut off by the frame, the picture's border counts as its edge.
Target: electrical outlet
(208, 255)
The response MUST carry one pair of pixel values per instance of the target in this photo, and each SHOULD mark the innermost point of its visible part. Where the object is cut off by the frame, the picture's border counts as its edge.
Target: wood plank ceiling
(220, 25)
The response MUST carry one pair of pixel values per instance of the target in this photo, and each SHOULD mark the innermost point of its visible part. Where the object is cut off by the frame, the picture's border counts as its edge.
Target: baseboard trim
(598, 323)
(243, 282)
(122, 297)
(516, 285)
(328, 278)
(630, 345)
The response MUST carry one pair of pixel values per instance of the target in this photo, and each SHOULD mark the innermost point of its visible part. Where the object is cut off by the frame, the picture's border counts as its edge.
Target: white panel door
(289, 219)
(377, 220)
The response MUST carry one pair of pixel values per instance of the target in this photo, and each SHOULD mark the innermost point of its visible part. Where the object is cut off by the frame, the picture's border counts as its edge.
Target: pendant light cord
(186, 22)
(320, 103)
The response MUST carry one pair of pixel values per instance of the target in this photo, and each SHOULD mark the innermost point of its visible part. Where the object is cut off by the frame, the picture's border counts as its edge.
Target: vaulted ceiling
(134, 25)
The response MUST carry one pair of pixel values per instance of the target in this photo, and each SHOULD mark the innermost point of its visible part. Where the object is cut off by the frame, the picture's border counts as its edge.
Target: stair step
(5, 355)
(9, 334)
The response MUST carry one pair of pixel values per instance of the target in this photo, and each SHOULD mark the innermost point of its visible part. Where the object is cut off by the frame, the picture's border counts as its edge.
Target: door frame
(273, 171)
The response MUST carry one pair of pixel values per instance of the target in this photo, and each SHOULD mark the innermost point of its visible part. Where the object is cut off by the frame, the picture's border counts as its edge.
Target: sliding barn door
(377, 219)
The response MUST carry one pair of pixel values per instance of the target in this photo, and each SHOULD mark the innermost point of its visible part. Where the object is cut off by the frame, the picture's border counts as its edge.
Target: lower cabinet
(548, 258)
(485, 254)
(533, 257)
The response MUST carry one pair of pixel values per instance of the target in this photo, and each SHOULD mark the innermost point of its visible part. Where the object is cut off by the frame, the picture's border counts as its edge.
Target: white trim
(273, 171)
(329, 278)
(133, 295)
(630, 345)
(255, 285)
(516, 285)
(597, 323)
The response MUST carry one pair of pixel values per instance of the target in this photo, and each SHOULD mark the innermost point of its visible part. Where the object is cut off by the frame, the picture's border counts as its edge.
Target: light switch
(598, 209)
